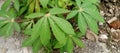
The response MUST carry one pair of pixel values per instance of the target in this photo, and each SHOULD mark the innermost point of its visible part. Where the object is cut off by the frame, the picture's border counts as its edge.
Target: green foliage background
(48, 22)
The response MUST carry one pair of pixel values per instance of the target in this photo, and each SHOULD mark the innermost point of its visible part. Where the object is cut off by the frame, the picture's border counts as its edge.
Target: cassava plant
(49, 23)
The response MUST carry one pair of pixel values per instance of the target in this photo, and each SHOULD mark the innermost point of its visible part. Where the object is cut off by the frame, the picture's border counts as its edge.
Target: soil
(107, 41)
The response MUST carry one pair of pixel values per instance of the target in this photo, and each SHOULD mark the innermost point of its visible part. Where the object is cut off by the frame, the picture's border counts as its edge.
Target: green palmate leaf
(22, 10)
(16, 27)
(31, 7)
(58, 11)
(78, 2)
(69, 45)
(78, 41)
(12, 13)
(3, 23)
(82, 23)
(4, 14)
(45, 33)
(7, 29)
(58, 33)
(37, 6)
(91, 23)
(34, 34)
(72, 14)
(5, 6)
(64, 25)
(28, 2)
(35, 15)
(92, 1)
(59, 45)
(60, 3)
(37, 45)
(90, 6)
(28, 29)
(44, 3)
(17, 4)
(95, 15)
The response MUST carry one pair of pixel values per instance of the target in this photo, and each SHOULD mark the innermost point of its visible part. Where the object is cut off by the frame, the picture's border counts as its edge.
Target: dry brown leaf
(115, 24)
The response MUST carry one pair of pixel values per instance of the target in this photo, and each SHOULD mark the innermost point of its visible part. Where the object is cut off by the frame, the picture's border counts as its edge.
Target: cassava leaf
(58, 11)
(82, 23)
(78, 41)
(34, 34)
(5, 5)
(58, 33)
(12, 13)
(59, 45)
(64, 25)
(44, 3)
(90, 6)
(72, 14)
(2, 23)
(92, 1)
(22, 10)
(28, 29)
(31, 7)
(37, 45)
(37, 6)
(69, 46)
(91, 23)
(4, 14)
(95, 15)
(35, 15)
(17, 5)
(45, 33)
(16, 27)
(78, 2)
(7, 30)
(28, 2)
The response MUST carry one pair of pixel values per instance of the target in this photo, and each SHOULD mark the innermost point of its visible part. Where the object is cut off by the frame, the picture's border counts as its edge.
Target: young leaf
(58, 11)
(78, 41)
(58, 33)
(64, 25)
(44, 3)
(17, 5)
(31, 7)
(5, 5)
(91, 23)
(71, 14)
(37, 45)
(34, 15)
(34, 34)
(82, 23)
(45, 33)
(37, 6)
